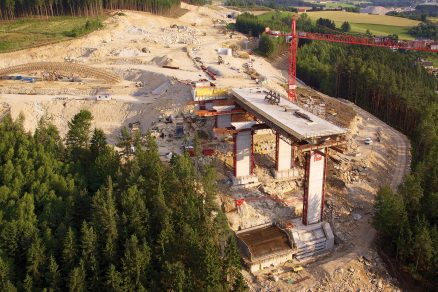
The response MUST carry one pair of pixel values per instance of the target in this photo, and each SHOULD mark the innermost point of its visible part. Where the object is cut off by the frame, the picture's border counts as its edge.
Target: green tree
(114, 281)
(5, 283)
(174, 276)
(36, 260)
(231, 264)
(412, 192)
(105, 220)
(211, 266)
(28, 283)
(98, 143)
(134, 263)
(77, 281)
(267, 45)
(89, 255)
(423, 247)
(389, 213)
(53, 275)
(79, 130)
(69, 251)
(134, 214)
(345, 27)
(125, 140)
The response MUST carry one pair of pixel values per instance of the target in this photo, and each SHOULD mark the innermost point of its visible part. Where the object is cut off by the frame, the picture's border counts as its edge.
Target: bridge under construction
(298, 133)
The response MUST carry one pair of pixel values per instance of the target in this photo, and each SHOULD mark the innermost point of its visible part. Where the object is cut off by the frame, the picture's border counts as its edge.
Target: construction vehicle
(220, 60)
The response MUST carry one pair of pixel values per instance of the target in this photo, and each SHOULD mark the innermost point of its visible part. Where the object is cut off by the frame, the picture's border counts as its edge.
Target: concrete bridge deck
(286, 117)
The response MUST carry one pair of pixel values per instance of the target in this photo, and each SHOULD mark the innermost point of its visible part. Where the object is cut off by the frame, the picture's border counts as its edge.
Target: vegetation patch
(79, 216)
(25, 33)
(379, 30)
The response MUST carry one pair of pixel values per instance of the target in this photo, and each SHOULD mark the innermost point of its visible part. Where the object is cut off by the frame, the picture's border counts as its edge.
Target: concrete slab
(283, 115)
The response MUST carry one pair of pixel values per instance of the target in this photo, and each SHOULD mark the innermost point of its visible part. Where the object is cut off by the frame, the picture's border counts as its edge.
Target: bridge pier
(314, 185)
(284, 158)
(243, 157)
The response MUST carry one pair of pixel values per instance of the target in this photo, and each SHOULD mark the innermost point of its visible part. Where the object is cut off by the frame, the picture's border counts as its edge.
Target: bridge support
(223, 121)
(314, 185)
(284, 159)
(223, 117)
(243, 158)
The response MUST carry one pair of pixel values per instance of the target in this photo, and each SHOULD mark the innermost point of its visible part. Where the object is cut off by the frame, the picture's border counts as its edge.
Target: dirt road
(402, 145)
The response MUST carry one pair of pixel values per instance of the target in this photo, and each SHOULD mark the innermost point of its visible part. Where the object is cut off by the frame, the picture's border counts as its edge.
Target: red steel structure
(385, 42)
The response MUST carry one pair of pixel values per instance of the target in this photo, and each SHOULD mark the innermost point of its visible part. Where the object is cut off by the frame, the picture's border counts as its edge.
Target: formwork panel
(315, 187)
(243, 153)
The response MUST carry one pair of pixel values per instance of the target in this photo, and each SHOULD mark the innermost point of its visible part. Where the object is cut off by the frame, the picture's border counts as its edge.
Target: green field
(377, 24)
(268, 15)
(25, 33)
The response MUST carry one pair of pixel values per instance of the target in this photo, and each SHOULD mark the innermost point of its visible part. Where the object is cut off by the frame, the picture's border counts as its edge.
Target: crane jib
(385, 42)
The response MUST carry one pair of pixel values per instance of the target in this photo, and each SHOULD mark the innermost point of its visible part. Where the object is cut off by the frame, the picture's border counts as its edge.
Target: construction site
(297, 176)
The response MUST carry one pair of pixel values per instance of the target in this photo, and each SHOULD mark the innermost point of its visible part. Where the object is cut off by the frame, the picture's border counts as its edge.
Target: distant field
(433, 19)
(377, 24)
(379, 29)
(25, 33)
(341, 16)
(338, 4)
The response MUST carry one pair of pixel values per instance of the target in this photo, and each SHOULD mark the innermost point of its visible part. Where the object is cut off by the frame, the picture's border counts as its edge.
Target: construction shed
(264, 246)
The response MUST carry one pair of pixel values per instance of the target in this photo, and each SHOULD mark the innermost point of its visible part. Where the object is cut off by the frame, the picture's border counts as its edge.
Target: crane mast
(385, 42)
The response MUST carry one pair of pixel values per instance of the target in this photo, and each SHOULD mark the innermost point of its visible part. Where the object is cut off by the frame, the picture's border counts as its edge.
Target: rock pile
(168, 36)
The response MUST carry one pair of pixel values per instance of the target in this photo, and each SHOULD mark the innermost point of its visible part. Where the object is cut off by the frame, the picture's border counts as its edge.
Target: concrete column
(243, 158)
(223, 121)
(314, 186)
(284, 159)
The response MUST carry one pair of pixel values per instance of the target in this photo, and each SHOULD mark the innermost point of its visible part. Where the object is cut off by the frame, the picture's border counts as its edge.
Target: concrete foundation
(311, 240)
(272, 261)
(270, 245)
(244, 180)
(287, 174)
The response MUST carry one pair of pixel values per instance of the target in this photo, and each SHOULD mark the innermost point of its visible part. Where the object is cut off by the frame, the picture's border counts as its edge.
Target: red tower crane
(341, 38)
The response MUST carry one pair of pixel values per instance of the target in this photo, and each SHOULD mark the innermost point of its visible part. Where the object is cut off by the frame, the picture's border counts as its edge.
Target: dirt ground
(137, 46)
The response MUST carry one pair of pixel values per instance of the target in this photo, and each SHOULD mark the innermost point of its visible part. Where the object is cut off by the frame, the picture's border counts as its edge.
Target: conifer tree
(114, 281)
(90, 256)
(105, 220)
(53, 275)
(134, 263)
(79, 130)
(77, 282)
(69, 251)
